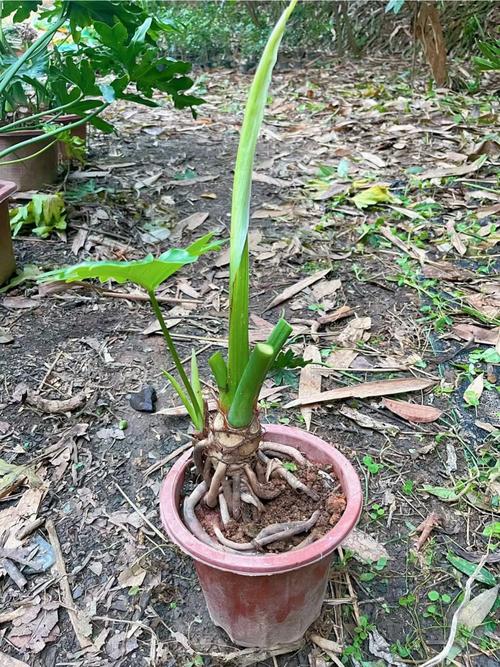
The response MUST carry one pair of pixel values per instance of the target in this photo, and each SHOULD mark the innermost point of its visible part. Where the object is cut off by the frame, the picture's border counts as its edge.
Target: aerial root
(290, 452)
(276, 468)
(299, 527)
(190, 517)
(224, 510)
(198, 451)
(236, 500)
(213, 492)
(236, 546)
(259, 489)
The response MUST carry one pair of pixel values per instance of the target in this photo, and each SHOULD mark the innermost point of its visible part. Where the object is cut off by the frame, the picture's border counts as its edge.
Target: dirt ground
(420, 273)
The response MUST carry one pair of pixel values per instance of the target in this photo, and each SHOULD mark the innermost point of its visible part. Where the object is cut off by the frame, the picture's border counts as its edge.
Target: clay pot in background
(7, 260)
(265, 600)
(32, 173)
(80, 131)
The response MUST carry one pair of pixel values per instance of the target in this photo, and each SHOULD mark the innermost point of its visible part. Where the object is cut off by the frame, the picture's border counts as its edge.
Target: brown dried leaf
(412, 412)
(364, 547)
(9, 661)
(296, 288)
(310, 380)
(477, 334)
(366, 390)
(455, 170)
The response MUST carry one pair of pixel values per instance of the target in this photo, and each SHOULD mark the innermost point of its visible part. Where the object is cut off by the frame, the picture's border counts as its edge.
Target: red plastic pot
(35, 172)
(269, 600)
(7, 261)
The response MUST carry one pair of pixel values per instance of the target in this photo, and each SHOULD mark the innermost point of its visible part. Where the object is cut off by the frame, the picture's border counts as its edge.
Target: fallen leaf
(310, 380)
(131, 576)
(486, 211)
(193, 221)
(474, 391)
(477, 334)
(464, 566)
(380, 648)
(446, 271)
(455, 170)
(296, 288)
(476, 610)
(326, 288)
(412, 412)
(269, 180)
(364, 547)
(365, 421)
(441, 492)
(12, 476)
(343, 311)
(367, 390)
(457, 240)
(357, 329)
(19, 303)
(487, 147)
(341, 359)
(79, 241)
(9, 661)
(114, 433)
(376, 194)
(148, 181)
(183, 182)
(271, 213)
(36, 628)
(120, 645)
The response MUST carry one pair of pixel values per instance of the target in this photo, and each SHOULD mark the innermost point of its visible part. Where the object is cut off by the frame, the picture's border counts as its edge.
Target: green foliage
(490, 60)
(149, 272)
(45, 213)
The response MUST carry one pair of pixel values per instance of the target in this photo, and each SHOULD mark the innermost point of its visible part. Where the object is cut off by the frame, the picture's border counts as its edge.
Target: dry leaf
(367, 390)
(9, 661)
(326, 288)
(476, 610)
(365, 421)
(269, 180)
(357, 329)
(340, 313)
(364, 547)
(296, 288)
(380, 648)
(341, 359)
(310, 380)
(455, 170)
(457, 240)
(131, 576)
(19, 302)
(412, 412)
(477, 334)
(193, 221)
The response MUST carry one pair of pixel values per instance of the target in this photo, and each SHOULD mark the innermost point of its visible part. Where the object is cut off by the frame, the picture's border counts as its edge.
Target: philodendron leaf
(254, 113)
(148, 272)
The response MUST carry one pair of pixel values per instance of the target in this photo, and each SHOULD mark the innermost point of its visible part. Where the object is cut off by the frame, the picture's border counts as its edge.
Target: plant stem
(238, 352)
(171, 348)
(219, 369)
(243, 404)
(279, 335)
(52, 133)
(42, 114)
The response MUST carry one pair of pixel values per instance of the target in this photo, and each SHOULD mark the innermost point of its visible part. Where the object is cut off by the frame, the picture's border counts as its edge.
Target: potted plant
(7, 260)
(263, 581)
(49, 94)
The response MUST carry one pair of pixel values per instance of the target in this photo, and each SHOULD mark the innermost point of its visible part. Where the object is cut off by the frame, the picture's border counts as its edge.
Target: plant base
(266, 600)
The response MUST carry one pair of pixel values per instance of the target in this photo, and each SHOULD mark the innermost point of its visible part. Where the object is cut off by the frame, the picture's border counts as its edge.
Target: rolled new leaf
(244, 402)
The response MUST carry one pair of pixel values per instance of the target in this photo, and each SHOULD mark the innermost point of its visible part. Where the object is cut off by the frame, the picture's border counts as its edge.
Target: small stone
(144, 400)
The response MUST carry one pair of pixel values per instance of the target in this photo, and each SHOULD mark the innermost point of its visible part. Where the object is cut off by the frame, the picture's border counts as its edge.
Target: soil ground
(411, 270)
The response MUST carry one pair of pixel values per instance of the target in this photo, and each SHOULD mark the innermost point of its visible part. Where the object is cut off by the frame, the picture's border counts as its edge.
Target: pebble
(144, 400)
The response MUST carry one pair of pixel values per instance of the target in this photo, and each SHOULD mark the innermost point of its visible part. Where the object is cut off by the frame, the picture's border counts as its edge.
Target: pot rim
(20, 133)
(7, 188)
(269, 563)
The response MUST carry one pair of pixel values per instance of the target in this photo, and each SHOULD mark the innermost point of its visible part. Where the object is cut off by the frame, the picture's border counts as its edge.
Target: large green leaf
(148, 272)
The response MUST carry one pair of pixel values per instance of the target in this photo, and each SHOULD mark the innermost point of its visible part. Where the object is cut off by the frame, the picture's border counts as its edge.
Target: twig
(443, 654)
(155, 530)
(426, 528)
(67, 597)
(51, 368)
(159, 464)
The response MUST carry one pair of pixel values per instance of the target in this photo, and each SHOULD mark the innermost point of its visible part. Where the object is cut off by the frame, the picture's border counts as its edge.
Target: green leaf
(492, 529)
(474, 391)
(462, 565)
(377, 194)
(433, 596)
(148, 272)
(440, 492)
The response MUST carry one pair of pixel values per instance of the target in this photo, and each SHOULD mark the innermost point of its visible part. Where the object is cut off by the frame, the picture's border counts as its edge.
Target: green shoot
(243, 405)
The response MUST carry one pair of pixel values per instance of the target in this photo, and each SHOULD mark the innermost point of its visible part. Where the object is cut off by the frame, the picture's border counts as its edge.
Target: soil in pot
(32, 173)
(318, 511)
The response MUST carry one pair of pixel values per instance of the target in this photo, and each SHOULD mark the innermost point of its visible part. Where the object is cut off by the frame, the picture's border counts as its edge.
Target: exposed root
(236, 504)
(300, 527)
(288, 451)
(276, 468)
(249, 497)
(198, 451)
(224, 510)
(258, 488)
(213, 491)
(190, 517)
(236, 546)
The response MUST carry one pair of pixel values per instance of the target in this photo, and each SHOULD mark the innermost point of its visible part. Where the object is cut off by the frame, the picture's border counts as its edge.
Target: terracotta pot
(34, 173)
(269, 600)
(80, 131)
(7, 260)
